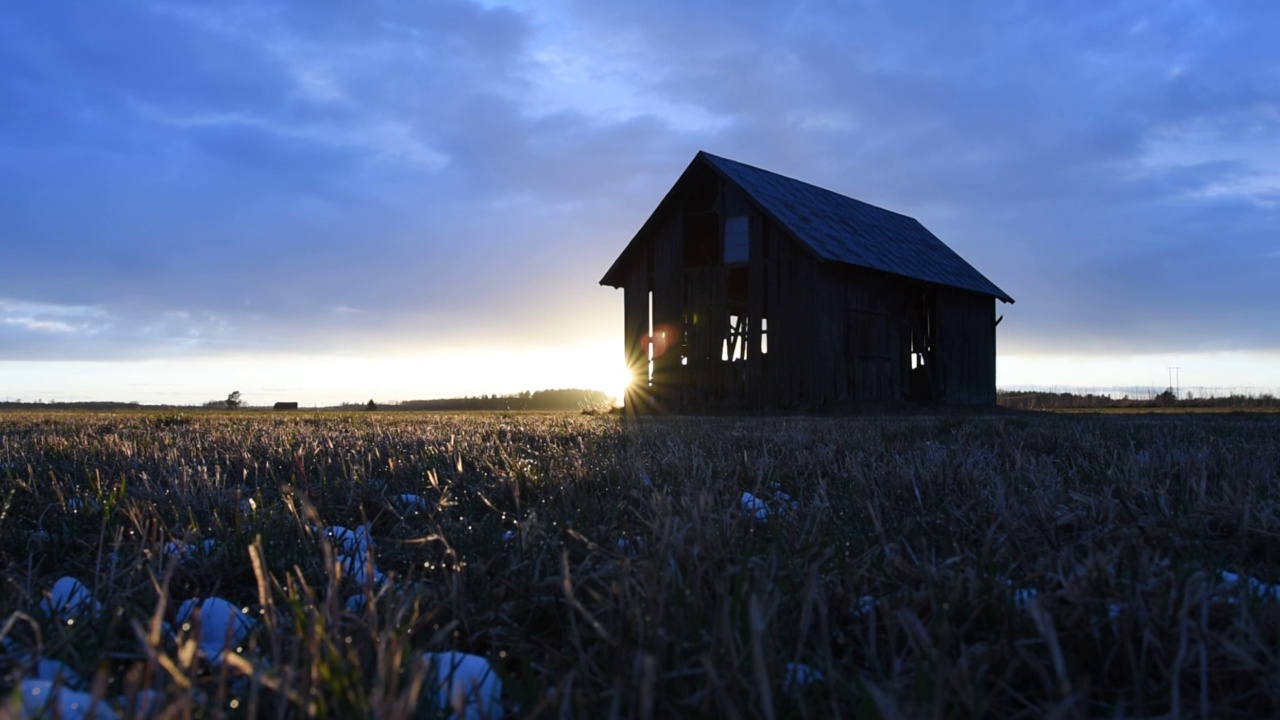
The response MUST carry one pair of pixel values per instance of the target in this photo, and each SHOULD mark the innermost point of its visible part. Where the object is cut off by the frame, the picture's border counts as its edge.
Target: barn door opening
(920, 385)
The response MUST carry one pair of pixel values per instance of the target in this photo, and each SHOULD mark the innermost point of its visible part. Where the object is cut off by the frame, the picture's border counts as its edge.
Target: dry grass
(903, 574)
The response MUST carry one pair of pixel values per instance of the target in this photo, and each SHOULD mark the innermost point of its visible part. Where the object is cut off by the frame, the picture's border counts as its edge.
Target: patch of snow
(38, 540)
(54, 671)
(798, 676)
(69, 600)
(180, 550)
(754, 506)
(1257, 588)
(75, 505)
(409, 503)
(864, 605)
(467, 685)
(223, 627)
(1021, 596)
(145, 704)
(355, 604)
(353, 548)
(630, 545)
(43, 698)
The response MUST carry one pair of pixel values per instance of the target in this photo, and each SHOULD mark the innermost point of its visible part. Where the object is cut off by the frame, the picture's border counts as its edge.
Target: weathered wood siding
(965, 347)
(668, 309)
(635, 328)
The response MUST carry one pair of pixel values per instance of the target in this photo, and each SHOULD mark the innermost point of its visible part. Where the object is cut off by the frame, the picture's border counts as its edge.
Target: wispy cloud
(53, 318)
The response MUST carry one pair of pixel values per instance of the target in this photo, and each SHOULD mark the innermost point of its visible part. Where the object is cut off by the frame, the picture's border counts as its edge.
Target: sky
(323, 201)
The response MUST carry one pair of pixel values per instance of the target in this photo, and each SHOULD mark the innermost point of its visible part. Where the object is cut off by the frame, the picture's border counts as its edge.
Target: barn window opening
(764, 336)
(734, 345)
(648, 340)
(736, 239)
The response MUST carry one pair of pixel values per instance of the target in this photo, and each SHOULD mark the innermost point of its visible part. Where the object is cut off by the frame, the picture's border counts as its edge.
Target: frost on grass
(466, 685)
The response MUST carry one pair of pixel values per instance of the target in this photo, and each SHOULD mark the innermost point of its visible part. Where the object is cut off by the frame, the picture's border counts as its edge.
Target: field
(1013, 565)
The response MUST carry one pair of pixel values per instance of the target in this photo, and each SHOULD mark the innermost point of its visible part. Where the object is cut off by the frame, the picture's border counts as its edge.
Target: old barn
(748, 289)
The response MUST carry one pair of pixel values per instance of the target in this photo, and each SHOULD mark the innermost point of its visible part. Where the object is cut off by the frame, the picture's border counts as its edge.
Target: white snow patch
(69, 600)
(223, 627)
(43, 698)
(75, 505)
(353, 548)
(467, 685)
(55, 671)
(409, 503)
(754, 506)
(631, 545)
(864, 605)
(1257, 588)
(355, 604)
(799, 675)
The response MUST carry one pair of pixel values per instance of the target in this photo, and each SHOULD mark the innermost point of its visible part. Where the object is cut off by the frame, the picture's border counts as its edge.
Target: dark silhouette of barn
(748, 289)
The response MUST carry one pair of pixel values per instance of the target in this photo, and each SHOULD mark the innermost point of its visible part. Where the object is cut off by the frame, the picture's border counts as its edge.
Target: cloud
(228, 177)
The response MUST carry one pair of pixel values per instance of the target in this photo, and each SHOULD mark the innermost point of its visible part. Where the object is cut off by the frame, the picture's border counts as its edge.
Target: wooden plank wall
(755, 309)
(858, 325)
(668, 307)
(635, 328)
(703, 378)
(965, 347)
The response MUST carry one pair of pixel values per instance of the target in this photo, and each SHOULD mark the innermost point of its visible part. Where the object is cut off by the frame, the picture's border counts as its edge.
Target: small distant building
(748, 289)
(285, 406)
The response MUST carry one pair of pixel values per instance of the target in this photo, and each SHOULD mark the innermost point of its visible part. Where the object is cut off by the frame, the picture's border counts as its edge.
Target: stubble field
(1012, 565)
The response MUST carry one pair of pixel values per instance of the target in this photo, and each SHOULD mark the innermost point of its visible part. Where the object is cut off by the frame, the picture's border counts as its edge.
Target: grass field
(1004, 566)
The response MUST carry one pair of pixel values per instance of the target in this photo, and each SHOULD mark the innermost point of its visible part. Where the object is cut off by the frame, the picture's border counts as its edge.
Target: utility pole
(1174, 380)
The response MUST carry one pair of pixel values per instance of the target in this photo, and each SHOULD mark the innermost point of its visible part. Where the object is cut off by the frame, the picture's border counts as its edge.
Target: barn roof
(838, 228)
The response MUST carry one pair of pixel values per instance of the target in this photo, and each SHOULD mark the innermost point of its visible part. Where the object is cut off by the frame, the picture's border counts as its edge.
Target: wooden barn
(747, 289)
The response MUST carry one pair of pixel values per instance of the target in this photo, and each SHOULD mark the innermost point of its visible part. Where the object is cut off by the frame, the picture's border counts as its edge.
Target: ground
(1008, 565)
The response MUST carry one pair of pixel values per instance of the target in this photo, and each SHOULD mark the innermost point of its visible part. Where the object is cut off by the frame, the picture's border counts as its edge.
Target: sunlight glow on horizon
(321, 380)
(599, 365)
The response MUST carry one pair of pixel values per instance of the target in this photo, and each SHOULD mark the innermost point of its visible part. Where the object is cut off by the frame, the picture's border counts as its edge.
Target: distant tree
(234, 401)
(371, 405)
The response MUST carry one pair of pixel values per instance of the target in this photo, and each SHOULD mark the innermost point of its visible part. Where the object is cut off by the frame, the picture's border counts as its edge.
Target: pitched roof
(840, 229)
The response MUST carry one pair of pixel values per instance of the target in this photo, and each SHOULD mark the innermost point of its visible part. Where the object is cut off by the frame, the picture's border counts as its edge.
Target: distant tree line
(528, 400)
(1034, 400)
(99, 405)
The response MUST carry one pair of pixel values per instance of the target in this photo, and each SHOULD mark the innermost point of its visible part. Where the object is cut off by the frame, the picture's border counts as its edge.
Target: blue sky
(324, 201)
